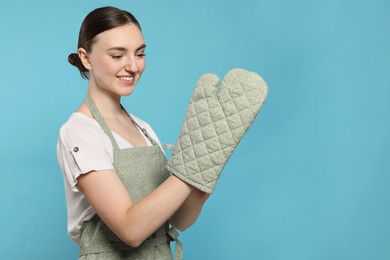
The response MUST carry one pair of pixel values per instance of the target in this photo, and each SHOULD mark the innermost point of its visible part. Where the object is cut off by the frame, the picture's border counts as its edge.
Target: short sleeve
(81, 150)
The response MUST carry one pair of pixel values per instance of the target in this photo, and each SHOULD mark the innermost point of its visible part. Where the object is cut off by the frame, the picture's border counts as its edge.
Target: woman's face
(116, 60)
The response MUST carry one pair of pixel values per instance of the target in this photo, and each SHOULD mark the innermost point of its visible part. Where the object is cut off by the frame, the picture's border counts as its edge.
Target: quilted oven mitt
(217, 118)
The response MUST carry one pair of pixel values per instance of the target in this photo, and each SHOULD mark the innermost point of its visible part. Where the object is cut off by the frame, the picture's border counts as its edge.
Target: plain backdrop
(310, 180)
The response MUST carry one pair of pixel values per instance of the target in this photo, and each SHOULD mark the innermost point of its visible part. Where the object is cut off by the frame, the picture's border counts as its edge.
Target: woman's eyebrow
(117, 49)
(143, 46)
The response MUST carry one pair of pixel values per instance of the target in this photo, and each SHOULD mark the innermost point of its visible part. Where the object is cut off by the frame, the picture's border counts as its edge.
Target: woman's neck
(107, 103)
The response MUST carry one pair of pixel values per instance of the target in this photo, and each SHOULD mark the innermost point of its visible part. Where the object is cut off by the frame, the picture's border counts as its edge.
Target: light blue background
(310, 180)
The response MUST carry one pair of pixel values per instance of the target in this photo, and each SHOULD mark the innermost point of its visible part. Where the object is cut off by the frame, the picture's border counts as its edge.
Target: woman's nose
(131, 66)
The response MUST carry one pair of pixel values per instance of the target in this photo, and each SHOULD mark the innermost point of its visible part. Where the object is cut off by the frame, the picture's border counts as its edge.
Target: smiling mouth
(126, 78)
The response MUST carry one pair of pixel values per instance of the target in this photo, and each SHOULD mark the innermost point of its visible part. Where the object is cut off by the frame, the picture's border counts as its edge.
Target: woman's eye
(116, 57)
(141, 55)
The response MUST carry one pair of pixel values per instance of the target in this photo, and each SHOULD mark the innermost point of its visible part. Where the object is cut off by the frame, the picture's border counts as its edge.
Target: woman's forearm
(189, 211)
(146, 216)
(135, 222)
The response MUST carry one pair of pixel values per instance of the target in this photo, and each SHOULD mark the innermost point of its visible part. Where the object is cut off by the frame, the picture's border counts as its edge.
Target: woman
(120, 198)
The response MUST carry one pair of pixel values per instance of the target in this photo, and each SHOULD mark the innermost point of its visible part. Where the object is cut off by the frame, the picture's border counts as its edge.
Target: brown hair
(98, 21)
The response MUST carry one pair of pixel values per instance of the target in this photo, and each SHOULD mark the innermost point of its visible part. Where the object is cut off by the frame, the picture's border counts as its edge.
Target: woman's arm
(189, 211)
(133, 223)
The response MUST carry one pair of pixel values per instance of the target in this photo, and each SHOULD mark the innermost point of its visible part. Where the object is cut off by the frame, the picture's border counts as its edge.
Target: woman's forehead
(128, 36)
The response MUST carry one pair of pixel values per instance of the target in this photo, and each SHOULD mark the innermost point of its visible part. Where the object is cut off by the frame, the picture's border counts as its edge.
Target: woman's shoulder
(78, 126)
(147, 127)
(140, 122)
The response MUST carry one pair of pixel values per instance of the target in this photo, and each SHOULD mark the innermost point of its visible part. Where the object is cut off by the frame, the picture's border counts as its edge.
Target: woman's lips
(128, 80)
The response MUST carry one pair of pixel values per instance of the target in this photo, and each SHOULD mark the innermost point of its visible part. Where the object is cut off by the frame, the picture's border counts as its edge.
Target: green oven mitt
(217, 117)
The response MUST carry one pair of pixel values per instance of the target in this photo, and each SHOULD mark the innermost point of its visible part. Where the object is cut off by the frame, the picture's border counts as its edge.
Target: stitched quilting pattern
(217, 118)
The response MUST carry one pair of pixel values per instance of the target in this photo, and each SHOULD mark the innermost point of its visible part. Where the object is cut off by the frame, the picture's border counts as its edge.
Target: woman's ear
(83, 54)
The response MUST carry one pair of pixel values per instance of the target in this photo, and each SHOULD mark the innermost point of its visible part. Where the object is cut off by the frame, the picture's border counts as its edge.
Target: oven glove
(217, 117)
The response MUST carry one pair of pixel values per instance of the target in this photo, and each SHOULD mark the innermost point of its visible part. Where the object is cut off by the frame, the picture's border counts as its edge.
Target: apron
(141, 170)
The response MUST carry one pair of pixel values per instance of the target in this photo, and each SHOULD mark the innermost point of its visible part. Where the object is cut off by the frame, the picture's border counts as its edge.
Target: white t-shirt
(82, 147)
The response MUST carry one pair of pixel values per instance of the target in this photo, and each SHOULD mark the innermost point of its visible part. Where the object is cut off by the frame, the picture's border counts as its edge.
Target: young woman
(120, 198)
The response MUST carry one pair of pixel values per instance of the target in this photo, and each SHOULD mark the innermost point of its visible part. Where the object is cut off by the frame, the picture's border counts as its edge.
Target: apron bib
(141, 170)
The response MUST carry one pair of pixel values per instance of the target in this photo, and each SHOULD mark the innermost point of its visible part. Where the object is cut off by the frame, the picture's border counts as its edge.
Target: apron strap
(169, 146)
(99, 118)
(173, 234)
(143, 130)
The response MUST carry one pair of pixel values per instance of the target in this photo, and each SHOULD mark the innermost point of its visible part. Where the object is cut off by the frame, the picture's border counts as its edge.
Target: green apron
(141, 170)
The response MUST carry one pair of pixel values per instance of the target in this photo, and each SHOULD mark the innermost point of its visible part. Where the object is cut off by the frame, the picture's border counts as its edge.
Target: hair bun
(74, 59)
